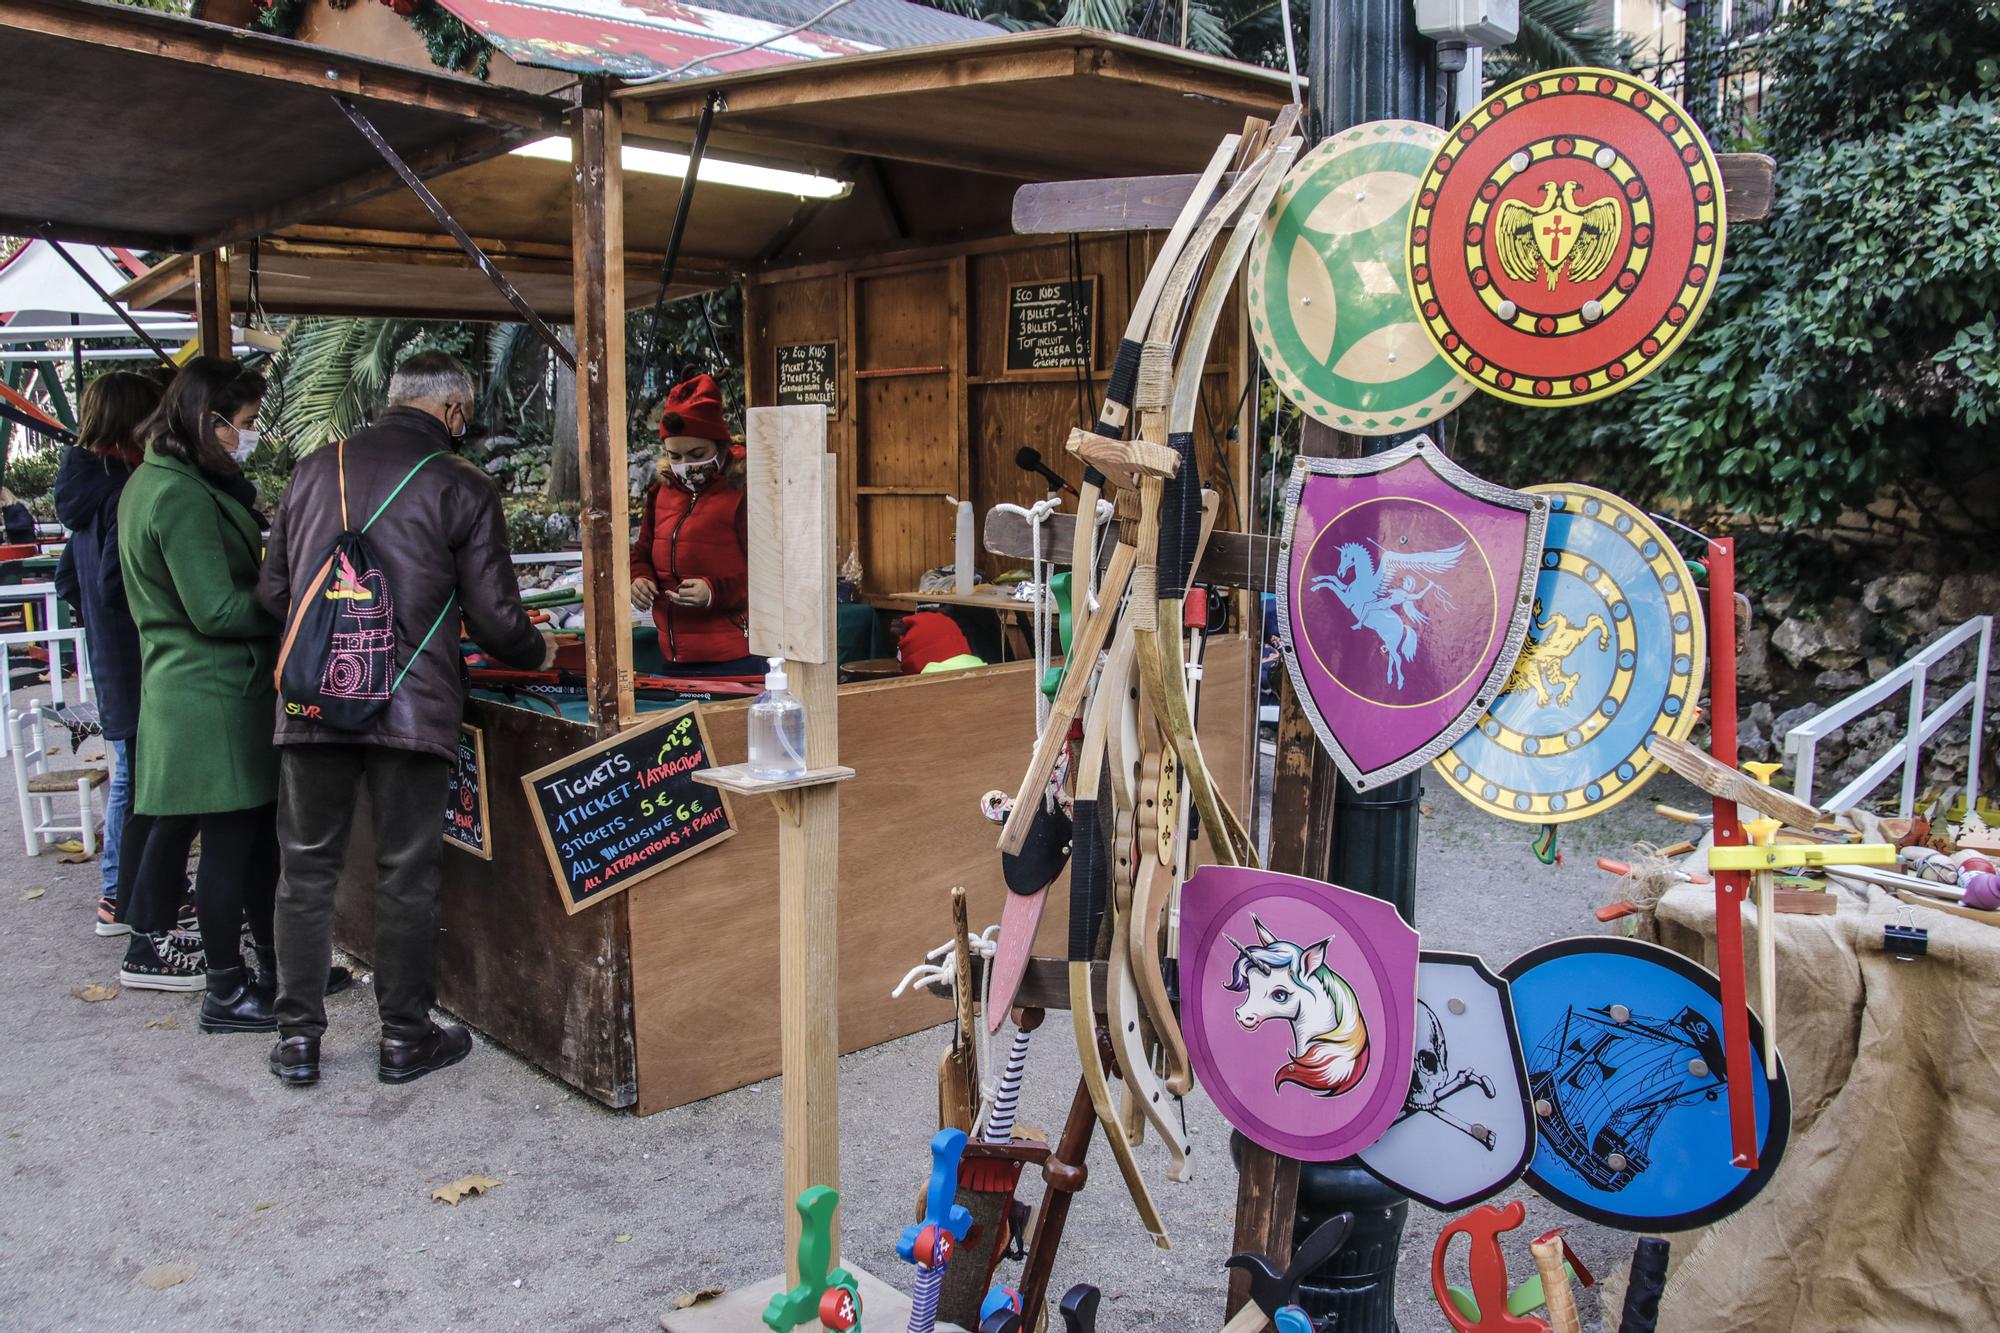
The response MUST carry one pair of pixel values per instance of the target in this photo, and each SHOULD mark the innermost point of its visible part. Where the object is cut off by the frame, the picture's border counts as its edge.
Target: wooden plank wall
(927, 406)
(703, 960)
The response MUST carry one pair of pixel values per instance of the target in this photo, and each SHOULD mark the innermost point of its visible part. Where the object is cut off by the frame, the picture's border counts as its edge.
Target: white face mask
(694, 476)
(246, 443)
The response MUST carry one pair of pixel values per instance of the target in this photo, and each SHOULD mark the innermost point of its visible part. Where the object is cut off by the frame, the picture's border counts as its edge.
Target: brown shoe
(401, 1060)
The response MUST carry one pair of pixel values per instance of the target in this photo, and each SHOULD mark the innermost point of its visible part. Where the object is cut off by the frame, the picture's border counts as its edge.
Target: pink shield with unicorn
(1299, 1007)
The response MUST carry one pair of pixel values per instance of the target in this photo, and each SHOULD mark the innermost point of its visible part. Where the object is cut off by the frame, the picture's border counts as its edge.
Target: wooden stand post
(211, 303)
(597, 225)
(791, 531)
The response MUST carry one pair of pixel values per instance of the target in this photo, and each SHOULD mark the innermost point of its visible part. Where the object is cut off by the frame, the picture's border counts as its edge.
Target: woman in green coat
(190, 549)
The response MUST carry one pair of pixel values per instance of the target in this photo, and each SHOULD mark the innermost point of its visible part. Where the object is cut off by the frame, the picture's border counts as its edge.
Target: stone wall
(1795, 660)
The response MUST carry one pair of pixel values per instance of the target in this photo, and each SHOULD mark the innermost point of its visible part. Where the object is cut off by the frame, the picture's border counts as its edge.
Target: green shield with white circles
(1329, 296)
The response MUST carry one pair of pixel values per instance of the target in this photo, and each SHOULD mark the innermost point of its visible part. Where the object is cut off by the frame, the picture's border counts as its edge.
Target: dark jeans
(317, 788)
(236, 881)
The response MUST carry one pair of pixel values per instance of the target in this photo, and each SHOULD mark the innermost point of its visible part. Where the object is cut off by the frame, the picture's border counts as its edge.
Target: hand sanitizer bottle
(777, 728)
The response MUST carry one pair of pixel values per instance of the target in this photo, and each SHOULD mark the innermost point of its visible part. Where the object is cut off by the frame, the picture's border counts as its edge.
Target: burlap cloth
(1882, 1214)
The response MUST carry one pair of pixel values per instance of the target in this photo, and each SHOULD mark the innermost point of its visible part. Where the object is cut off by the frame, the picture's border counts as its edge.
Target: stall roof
(932, 140)
(648, 39)
(1056, 104)
(131, 127)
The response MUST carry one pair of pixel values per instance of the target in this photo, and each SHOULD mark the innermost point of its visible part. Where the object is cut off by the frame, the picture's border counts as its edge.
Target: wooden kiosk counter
(667, 993)
(939, 344)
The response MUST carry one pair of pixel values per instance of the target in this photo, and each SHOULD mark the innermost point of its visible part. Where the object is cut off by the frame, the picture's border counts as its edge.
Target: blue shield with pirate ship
(1614, 657)
(1629, 1086)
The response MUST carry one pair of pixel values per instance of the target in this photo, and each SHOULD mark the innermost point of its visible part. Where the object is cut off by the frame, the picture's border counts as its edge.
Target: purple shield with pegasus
(1406, 593)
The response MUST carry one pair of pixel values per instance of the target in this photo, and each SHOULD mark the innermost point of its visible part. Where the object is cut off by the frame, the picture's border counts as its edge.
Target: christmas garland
(451, 44)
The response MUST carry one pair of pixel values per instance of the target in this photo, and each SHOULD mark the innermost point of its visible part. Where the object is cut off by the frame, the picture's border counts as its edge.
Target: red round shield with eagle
(1566, 237)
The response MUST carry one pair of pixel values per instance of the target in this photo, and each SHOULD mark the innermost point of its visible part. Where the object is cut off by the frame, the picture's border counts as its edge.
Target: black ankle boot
(234, 1005)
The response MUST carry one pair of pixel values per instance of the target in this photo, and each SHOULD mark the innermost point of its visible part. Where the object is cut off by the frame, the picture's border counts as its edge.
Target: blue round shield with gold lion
(1614, 657)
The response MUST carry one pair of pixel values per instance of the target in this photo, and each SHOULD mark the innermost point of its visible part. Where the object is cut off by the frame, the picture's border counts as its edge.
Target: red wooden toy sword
(1731, 886)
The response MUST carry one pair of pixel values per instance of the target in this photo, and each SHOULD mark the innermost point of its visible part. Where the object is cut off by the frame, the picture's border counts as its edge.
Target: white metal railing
(1913, 676)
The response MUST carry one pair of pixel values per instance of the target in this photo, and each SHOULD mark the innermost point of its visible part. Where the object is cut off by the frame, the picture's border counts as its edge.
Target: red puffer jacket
(697, 535)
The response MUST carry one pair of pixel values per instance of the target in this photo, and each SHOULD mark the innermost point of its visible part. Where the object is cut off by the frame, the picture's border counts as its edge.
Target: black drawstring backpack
(340, 662)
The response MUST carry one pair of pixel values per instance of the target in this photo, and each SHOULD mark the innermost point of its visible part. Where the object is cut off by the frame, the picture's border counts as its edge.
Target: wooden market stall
(912, 276)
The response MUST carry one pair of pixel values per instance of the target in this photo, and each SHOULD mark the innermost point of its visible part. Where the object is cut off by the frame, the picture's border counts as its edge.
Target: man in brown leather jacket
(443, 536)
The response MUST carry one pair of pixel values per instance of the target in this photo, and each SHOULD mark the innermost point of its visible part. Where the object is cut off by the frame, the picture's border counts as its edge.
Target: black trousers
(236, 881)
(152, 871)
(318, 785)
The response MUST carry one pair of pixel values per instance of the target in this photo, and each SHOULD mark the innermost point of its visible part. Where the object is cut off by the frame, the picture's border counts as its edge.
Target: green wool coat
(207, 648)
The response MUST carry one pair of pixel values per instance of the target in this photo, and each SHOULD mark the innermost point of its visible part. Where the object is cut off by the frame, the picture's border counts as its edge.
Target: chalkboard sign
(808, 373)
(1051, 325)
(465, 809)
(627, 808)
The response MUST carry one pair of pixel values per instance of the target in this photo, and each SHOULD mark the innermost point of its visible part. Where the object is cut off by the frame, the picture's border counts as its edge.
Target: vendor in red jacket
(689, 565)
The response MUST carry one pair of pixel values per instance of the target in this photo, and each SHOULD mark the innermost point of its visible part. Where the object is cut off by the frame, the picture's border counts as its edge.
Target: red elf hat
(694, 407)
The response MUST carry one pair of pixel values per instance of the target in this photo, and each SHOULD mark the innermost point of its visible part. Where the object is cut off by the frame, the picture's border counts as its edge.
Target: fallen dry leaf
(687, 1298)
(262, 1206)
(161, 1276)
(69, 845)
(167, 1024)
(621, 1238)
(81, 858)
(95, 993)
(32, 894)
(460, 1188)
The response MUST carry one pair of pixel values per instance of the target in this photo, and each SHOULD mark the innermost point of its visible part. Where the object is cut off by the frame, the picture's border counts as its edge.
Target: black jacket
(87, 490)
(444, 534)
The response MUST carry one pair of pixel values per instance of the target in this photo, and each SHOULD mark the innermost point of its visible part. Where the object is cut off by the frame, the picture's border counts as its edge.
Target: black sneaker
(156, 962)
(108, 923)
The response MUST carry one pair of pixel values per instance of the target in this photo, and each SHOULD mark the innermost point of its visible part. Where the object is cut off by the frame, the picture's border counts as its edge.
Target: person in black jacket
(439, 537)
(89, 482)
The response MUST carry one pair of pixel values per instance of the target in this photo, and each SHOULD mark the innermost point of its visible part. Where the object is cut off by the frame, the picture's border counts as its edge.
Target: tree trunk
(565, 468)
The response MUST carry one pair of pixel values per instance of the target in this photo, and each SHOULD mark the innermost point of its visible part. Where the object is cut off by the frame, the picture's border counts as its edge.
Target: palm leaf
(1555, 33)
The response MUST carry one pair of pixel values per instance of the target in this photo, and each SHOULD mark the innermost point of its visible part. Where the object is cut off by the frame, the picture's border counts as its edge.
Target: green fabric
(859, 633)
(960, 663)
(1059, 589)
(207, 649)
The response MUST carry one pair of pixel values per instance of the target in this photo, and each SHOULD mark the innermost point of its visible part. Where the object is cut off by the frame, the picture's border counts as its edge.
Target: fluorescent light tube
(720, 171)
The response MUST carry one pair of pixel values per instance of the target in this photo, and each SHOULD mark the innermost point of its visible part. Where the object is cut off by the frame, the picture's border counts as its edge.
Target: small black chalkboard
(465, 809)
(627, 808)
(808, 373)
(1051, 325)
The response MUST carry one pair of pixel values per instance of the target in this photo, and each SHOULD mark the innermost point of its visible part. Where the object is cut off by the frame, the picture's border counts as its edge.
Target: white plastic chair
(42, 788)
(50, 637)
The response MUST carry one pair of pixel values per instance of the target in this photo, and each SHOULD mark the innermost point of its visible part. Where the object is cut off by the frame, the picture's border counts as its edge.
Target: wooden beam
(16, 224)
(1151, 203)
(371, 184)
(597, 227)
(261, 55)
(1231, 559)
(211, 303)
(896, 145)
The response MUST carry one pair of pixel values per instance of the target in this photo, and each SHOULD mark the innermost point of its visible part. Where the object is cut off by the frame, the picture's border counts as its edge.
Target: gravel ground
(131, 1141)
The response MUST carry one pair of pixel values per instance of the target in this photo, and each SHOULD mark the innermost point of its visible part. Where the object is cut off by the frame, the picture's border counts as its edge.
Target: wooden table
(1009, 608)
